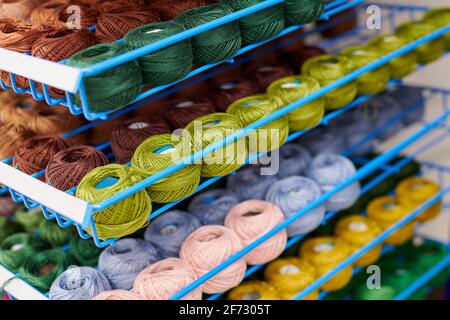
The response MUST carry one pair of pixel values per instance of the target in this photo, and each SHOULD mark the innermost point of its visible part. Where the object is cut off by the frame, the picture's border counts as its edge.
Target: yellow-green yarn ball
(125, 217)
(250, 109)
(211, 128)
(293, 88)
(371, 82)
(159, 152)
(254, 290)
(439, 17)
(327, 69)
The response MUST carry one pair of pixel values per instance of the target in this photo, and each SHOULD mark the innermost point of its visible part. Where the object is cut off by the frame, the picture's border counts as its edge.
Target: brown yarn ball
(34, 153)
(129, 134)
(296, 58)
(104, 6)
(228, 92)
(264, 76)
(66, 168)
(45, 13)
(17, 9)
(102, 132)
(169, 9)
(61, 16)
(180, 112)
(12, 136)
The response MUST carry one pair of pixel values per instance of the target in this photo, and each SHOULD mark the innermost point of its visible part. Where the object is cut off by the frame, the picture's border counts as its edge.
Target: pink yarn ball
(250, 220)
(117, 295)
(163, 279)
(209, 246)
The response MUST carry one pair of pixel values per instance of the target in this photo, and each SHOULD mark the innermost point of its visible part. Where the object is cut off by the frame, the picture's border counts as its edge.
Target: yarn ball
(302, 12)
(249, 183)
(12, 137)
(227, 92)
(211, 207)
(64, 17)
(123, 218)
(7, 206)
(45, 12)
(410, 97)
(250, 220)
(29, 219)
(297, 58)
(78, 283)
(168, 231)
(180, 112)
(17, 9)
(265, 75)
(122, 262)
(254, 290)
(439, 17)
(209, 246)
(117, 295)
(112, 5)
(85, 252)
(166, 65)
(292, 195)
(8, 227)
(163, 279)
(51, 232)
(67, 168)
(293, 160)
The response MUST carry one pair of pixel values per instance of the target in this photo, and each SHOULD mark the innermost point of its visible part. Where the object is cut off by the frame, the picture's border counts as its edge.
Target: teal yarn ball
(111, 89)
(302, 11)
(261, 25)
(166, 65)
(216, 44)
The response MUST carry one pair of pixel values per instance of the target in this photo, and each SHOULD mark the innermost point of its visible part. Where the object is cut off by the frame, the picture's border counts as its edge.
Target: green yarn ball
(302, 11)
(261, 25)
(166, 65)
(216, 44)
(291, 89)
(159, 152)
(54, 234)
(8, 227)
(125, 217)
(29, 219)
(439, 17)
(111, 89)
(385, 292)
(85, 252)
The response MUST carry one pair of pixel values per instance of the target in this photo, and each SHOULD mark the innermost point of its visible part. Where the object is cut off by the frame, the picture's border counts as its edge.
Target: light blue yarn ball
(79, 283)
(323, 139)
(409, 97)
(124, 260)
(294, 160)
(211, 207)
(249, 183)
(292, 195)
(330, 170)
(168, 231)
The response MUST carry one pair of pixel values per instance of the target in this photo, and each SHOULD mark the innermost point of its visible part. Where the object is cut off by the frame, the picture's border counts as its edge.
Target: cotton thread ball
(112, 5)
(13, 136)
(410, 97)
(8, 227)
(250, 183)
(63, 17)
(439, 17)
(294, 160)
(254, 290)
(168, 231)
(17, 10)
(330, 170)
(51, 232)
(209, 246)
(78, 283)
(163, 279)
(122, 262)
(169, 9)
(211, 207)
(44, 13)
(302, 12)
(291, 89)
(117, 295)
(302, 54)
(85, 252)
(180, 112)
(292, 195)
(263, 76)
(227, 92)
(29, 219)
(123, 218)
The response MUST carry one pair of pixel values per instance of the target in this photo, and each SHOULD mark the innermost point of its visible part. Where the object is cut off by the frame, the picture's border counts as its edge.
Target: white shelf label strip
(18, 288)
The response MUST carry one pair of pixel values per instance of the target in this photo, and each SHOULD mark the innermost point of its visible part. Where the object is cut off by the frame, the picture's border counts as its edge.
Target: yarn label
(185, 104)
(292, 84)
(323, 247)
(252, 103)
(289, 269)
(154, 31)
(228, 85)
(138, 125)
(357, 226)
(266, 69)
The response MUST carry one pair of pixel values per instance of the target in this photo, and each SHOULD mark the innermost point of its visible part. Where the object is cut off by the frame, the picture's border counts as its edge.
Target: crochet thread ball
(439, 17)
(252, 219)
(67, 168)
(254, 290)
(78, 283)
(168, 231)
(164, 66)
(45, 13)
(64, 17)
(85, 252)
(17, 9)
(216, 44)
(292, 195)
(52, 233)
(302, 12)
(410, 97)
(159, 152)
(123, 218)
(8, 227)
(117, 295)
(12, 137)
(169, 9)
(291, 89)
(249, 183)
(265, 75)
(180, 112)
(302, 54)
(112, 5)
(163, 279)
(29, 219)
(111, 89)
(122, 262)
(227, 92)
(294, 160)
(209, 246)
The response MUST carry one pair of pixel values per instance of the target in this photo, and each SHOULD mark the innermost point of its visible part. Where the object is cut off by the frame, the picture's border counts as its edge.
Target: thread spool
(12, 137)
(357, 231)
(52, 233)
(17, 9)
(112, 5)
(211, 207)
(414, 191)
(290, 275)
(212, 128)
(252, 219)
(209, 246)
(371, 82)
(263, 76)
(163, 279)
(401, 66)
(268, 137)
(292, 195)
(85, 252)
(439, 17)
(294, 161)
(180, 112)
(250, 183)
(45, 13)
(302, 12)
(227, 92)
(159, 152)
(327, 69)
(386, 211)
(8, 227)
(168, 231)
(216, 44)
(129, 134)
(169, 9)
(410, 97)
(330, 170)
(67, 168)
(78, 283)
(122, 262)
(327, 139)
(254, 290)
(291, 89)
(7, 206)
(117, 295)
(324, 253)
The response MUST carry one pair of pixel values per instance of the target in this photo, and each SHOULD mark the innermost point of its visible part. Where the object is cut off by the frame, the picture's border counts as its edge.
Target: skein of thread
(249, 183)
(168, 231)
(292, 195)
(52, 233)
(78, 283)
(265, 75)
(117, 295)
(252, 219)
(254, 290)
(122, 262)
(180, 112)
(302, 12)
(85, 252)
(294, 161)
(163, 279)
(169, 9)
(209, 246)
(17, 9)
(227, 92)
(12, 137)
